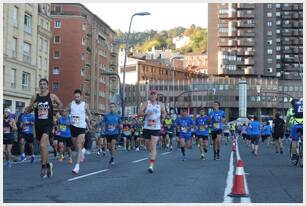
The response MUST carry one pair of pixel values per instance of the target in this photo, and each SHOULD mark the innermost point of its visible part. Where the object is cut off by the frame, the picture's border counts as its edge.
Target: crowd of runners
(152, 129)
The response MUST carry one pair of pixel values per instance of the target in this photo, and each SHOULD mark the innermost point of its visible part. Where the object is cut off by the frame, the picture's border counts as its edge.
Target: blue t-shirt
(254, 128)
(64, 127)
(111, 123)
(268, 129)
(201, 122)
(27, 128)
(216, 119)
(185, 124)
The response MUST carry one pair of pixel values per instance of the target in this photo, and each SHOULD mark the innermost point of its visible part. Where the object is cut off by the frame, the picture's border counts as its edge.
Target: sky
(163, 16)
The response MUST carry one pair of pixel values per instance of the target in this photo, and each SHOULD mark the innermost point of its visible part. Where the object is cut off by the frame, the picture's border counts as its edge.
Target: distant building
(196, 62)
(180, 41)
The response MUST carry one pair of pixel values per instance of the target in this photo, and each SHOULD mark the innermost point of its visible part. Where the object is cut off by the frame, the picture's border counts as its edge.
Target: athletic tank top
(7, 129)
(44, 111)
(152, 121)
(78, 114)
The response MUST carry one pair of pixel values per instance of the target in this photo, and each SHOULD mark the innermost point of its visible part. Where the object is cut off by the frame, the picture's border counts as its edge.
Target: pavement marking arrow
(140, 160)
(93, 173)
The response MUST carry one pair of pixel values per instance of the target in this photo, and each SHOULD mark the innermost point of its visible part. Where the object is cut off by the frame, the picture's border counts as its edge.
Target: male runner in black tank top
(42, 104)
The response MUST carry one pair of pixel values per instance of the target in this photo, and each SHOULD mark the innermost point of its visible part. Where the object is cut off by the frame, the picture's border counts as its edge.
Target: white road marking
(165, 153)
(93, 173)
(229, 180)
(140, 160)
(243, 199)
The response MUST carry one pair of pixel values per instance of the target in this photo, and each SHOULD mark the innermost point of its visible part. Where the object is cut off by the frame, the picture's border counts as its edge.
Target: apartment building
(82, 48)
(256, 39)
(26, 37)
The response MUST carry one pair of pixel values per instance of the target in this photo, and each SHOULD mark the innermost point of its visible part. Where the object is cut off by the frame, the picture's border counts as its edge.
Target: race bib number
(63, 128)
(202, 128)
(151, 123)
(184, 129)
(43, 114)
(6, 130)
(111, 127)
(216, 125)
(26, 128)
(127, 133)
(136, 133)
(76, 120)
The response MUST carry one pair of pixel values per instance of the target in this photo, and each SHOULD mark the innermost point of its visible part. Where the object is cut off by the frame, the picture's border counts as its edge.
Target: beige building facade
(21, 38)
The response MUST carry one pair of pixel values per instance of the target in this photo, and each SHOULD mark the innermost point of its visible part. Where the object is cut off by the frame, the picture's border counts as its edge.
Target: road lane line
(140, 160)
(165, 153)
(93, 173)
(243, 199)
(229, 180)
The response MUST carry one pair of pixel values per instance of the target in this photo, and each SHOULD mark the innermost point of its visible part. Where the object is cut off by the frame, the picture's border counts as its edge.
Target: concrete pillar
(242, 98)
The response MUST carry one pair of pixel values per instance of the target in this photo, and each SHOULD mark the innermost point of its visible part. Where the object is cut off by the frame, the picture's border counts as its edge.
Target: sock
(43, 166)
(183, 150)
(77, 165)
(152, 162)
(218, 152)
(48, 165)
(112, 159)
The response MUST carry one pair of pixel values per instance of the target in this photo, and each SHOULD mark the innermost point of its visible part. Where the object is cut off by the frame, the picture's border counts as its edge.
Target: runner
(169, 125)
(202, 132)
(217, 118)
(295, 121)
(268, 132)
(232, 129)
(65, 139)
(153, 111)
(163, 140)
(112, 122)
(56, 134)
(126, 135)
(279, 130)
(226, 133)
(254, 132)
(42, 103)
(244, 131)
(136, 134)
(184, 124)
(27, 124)
(101, 140)
(78, 110)
(9, 126)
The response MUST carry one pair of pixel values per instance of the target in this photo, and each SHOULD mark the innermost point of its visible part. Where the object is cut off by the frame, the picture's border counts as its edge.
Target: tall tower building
(256, 40)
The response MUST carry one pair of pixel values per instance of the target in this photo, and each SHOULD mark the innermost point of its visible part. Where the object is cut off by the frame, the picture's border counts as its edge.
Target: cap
(153, 91)
(7, 110)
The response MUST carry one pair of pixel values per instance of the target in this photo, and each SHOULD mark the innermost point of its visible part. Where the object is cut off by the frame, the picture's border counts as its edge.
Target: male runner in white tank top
(78, 110)
(152, 112)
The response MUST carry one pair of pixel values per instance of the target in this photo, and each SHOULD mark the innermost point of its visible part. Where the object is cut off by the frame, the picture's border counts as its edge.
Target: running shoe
(32, 159)
(8, 164)
(205, 150)
(281, 151)
(218, 157)
(43, 173)
(137, 149)
(61, 158)
(103, 153)
(76, 169)
(111, 161)
(50, 170)
(150, 169)
(202, 157)
(184, 158)
(22, 157)
(171, 148)
(98, 153)
(69, 160)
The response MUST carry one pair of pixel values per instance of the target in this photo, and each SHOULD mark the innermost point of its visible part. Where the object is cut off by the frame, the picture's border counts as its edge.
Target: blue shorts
(185, 137)
(294, 131)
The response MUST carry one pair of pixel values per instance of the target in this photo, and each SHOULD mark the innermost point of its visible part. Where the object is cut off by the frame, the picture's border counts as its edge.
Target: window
(15, 16)
(278, 56)
(83, 41)
(83, 27)
(58, 9)
(13, 78)
(28, 23)
(55, 86)
(25, 81)
(269, 42)
(26, 52)
(82, 72)
(277, 6)
(46, 48)
(14, 47)
(278, 48)
(269, 51)
(82, 56)
(278, 31)
(40, 62)
(269, 14)
(57, 39)
(278, 22)
(56, 55)
(269, 23)
(46, 64)
(277, 14)
(56, 71)
(269, 33)
(269, 60)
(42, 22)
(41, 44)
(269, 6)
(57, 24)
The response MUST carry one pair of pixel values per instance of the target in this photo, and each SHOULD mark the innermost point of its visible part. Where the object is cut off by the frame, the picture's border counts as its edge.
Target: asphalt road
(270, 178)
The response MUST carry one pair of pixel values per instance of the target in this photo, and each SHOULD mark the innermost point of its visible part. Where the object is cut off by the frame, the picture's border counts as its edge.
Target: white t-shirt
(152, 121)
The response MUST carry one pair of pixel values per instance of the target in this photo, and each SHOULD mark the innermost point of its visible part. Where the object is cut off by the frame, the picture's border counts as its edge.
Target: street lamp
(125, 56)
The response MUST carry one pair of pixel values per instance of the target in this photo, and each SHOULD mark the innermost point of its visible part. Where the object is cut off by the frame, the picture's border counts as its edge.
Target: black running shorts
(76, 131)
(40, 130)
(147, 133)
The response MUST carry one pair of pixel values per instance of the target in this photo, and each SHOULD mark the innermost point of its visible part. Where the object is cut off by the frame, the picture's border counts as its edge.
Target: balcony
(248, 71)
(295, 7)
(295, 32)
(233, 72)
(249, 61)
(223, 43)
(287, 34)
(245, 6)
(249, 53)
(245, 43)
(242, 33)
(231, 42)
(288, 51)
(300, 24)
(239, 62)
(245, 24)
(232, 33)
(232, 15)
(295, 15)
(295, 41)
(223, 15)
(286, 7)
(223, 34)
(44, 31)
(286, 41)
(288, 16)
(297, 24)
(245, 14)
(295, 50)
(240, 52)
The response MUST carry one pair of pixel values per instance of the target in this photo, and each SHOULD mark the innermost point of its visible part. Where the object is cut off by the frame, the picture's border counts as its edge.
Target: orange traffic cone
(238, 189)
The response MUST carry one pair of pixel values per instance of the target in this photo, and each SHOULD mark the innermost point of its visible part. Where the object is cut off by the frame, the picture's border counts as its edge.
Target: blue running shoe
(22, 157)
(32, 159)
(184, 158)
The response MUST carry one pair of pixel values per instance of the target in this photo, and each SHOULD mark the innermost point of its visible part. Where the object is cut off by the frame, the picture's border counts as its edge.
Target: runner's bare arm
(13, 124)
(142, 109)
(163, 111)
(88, 111)
(55, 99)
(32, 105)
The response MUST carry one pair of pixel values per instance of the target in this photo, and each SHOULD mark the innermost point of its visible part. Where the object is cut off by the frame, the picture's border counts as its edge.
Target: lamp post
(125, 56)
